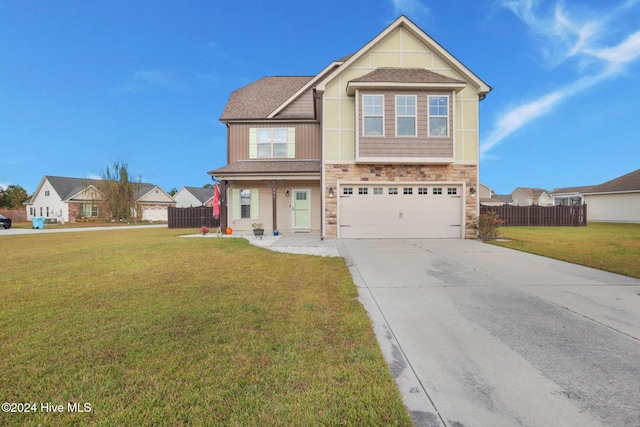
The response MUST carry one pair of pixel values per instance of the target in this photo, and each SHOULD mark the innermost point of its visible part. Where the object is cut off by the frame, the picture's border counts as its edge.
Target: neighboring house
(381, 143)
(570, 196)
(67, 199)
(617, 200)
(489, 198)
(190, 197)
(522, 196)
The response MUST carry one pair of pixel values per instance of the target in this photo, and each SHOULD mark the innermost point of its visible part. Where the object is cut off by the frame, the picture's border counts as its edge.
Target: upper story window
(406, 115)
(272, 142)
(438, 116)
(268, 143)
(373, 115)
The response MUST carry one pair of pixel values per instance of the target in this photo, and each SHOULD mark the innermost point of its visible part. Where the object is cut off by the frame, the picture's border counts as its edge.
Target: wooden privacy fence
(15, 215)
(540, 215)
(192, 217)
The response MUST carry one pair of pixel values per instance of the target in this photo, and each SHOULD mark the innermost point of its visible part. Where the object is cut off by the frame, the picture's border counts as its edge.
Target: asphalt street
(478, 335)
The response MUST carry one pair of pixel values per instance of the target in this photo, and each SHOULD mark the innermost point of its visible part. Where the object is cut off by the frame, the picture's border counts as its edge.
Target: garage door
(155, 213)
(400, 211)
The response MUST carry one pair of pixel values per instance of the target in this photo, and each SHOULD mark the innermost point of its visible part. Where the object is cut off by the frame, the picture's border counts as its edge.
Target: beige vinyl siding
(307, 140)
(623, 207)
(265, 210)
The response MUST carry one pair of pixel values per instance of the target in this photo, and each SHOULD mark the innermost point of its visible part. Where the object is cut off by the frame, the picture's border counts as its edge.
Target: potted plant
(258, 231)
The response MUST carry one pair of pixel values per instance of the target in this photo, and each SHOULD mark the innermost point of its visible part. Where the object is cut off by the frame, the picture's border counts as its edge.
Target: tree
(173, 191)
(118, 192)
(12, 197)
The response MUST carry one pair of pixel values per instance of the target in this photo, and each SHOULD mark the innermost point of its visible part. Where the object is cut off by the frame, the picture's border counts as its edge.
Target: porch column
(274, 201)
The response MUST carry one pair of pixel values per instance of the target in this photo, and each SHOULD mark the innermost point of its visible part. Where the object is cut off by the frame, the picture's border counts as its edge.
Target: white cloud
(561, 37)
(4, 185)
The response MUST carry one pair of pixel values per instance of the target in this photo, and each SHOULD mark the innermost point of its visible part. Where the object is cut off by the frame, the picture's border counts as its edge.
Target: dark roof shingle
(259, 99)
(405, 75)
(628, 182)
(269, 167)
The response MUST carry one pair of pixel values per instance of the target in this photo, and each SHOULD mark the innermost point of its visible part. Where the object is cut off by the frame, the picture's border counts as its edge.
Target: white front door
(301, 209)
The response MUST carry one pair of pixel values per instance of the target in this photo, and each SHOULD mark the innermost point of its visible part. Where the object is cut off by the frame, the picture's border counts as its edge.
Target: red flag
(216, 200)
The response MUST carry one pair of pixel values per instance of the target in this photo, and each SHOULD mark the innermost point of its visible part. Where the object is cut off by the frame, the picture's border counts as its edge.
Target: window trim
(414, 116)
(364, 115)
(290, 143)
(430, 116)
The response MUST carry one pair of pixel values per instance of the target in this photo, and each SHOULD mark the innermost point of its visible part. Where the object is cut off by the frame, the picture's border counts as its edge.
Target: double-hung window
(373, 115)
(89, 210)
(438, 116)
(272, 142)
(406, 115)
(245, 203)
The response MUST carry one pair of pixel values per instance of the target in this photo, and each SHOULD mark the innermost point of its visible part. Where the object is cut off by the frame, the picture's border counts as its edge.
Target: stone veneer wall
(401, 173)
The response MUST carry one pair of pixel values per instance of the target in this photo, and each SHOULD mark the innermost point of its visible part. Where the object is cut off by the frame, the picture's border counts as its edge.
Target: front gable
(402, 46)
(155, 194)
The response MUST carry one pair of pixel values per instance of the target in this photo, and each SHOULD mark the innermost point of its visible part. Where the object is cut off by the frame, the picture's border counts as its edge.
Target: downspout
(322, 168)
(228, 141)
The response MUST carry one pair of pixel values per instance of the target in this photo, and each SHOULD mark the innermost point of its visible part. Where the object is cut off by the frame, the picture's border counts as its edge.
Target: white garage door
(400, 211)
(155, 213)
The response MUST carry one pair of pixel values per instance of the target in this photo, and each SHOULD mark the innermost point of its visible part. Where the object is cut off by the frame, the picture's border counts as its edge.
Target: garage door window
(393, 190)
(437, 190)
(423, 190)
(452, 191)
(363, 190)
(407, 191)
(377, 191)
(347, 191)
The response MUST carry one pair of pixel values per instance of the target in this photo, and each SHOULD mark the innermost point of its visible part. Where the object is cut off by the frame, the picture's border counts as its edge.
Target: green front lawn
(152, 329)
(606, 246)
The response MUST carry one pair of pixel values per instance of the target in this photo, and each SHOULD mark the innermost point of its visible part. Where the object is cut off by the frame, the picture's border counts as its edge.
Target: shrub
(487, 225)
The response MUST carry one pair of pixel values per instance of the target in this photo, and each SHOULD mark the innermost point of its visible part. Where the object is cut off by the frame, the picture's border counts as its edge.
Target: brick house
(381, 143)
(67, 199)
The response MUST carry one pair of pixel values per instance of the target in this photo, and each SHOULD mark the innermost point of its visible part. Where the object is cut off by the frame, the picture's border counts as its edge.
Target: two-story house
(381, 143)
(524, 196)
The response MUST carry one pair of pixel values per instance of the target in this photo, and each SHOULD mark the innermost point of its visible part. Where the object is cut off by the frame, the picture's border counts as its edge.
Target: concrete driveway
(478, 335)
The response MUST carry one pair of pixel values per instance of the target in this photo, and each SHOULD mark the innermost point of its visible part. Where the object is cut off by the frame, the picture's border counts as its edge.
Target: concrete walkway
(478, 335)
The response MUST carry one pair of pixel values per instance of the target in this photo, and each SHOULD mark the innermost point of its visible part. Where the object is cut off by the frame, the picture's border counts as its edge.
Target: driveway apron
(478, 335)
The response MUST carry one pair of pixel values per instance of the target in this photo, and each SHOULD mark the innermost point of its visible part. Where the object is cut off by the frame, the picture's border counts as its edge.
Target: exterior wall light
(331, 192)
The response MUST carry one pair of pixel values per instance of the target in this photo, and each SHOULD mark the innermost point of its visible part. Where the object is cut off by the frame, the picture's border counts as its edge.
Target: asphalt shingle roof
(69, 187)
(259, 99)
(628, 182)
(269, 167)
(405, 75)
(202, 194)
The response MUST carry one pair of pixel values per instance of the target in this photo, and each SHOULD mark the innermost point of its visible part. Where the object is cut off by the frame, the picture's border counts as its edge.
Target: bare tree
(119, 192)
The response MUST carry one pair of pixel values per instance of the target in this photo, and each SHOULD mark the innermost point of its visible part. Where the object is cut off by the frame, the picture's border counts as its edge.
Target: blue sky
(86, 83)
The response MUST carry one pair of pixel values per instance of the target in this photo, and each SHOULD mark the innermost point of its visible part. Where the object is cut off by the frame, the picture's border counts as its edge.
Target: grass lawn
(151, 329)
(606, 246)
